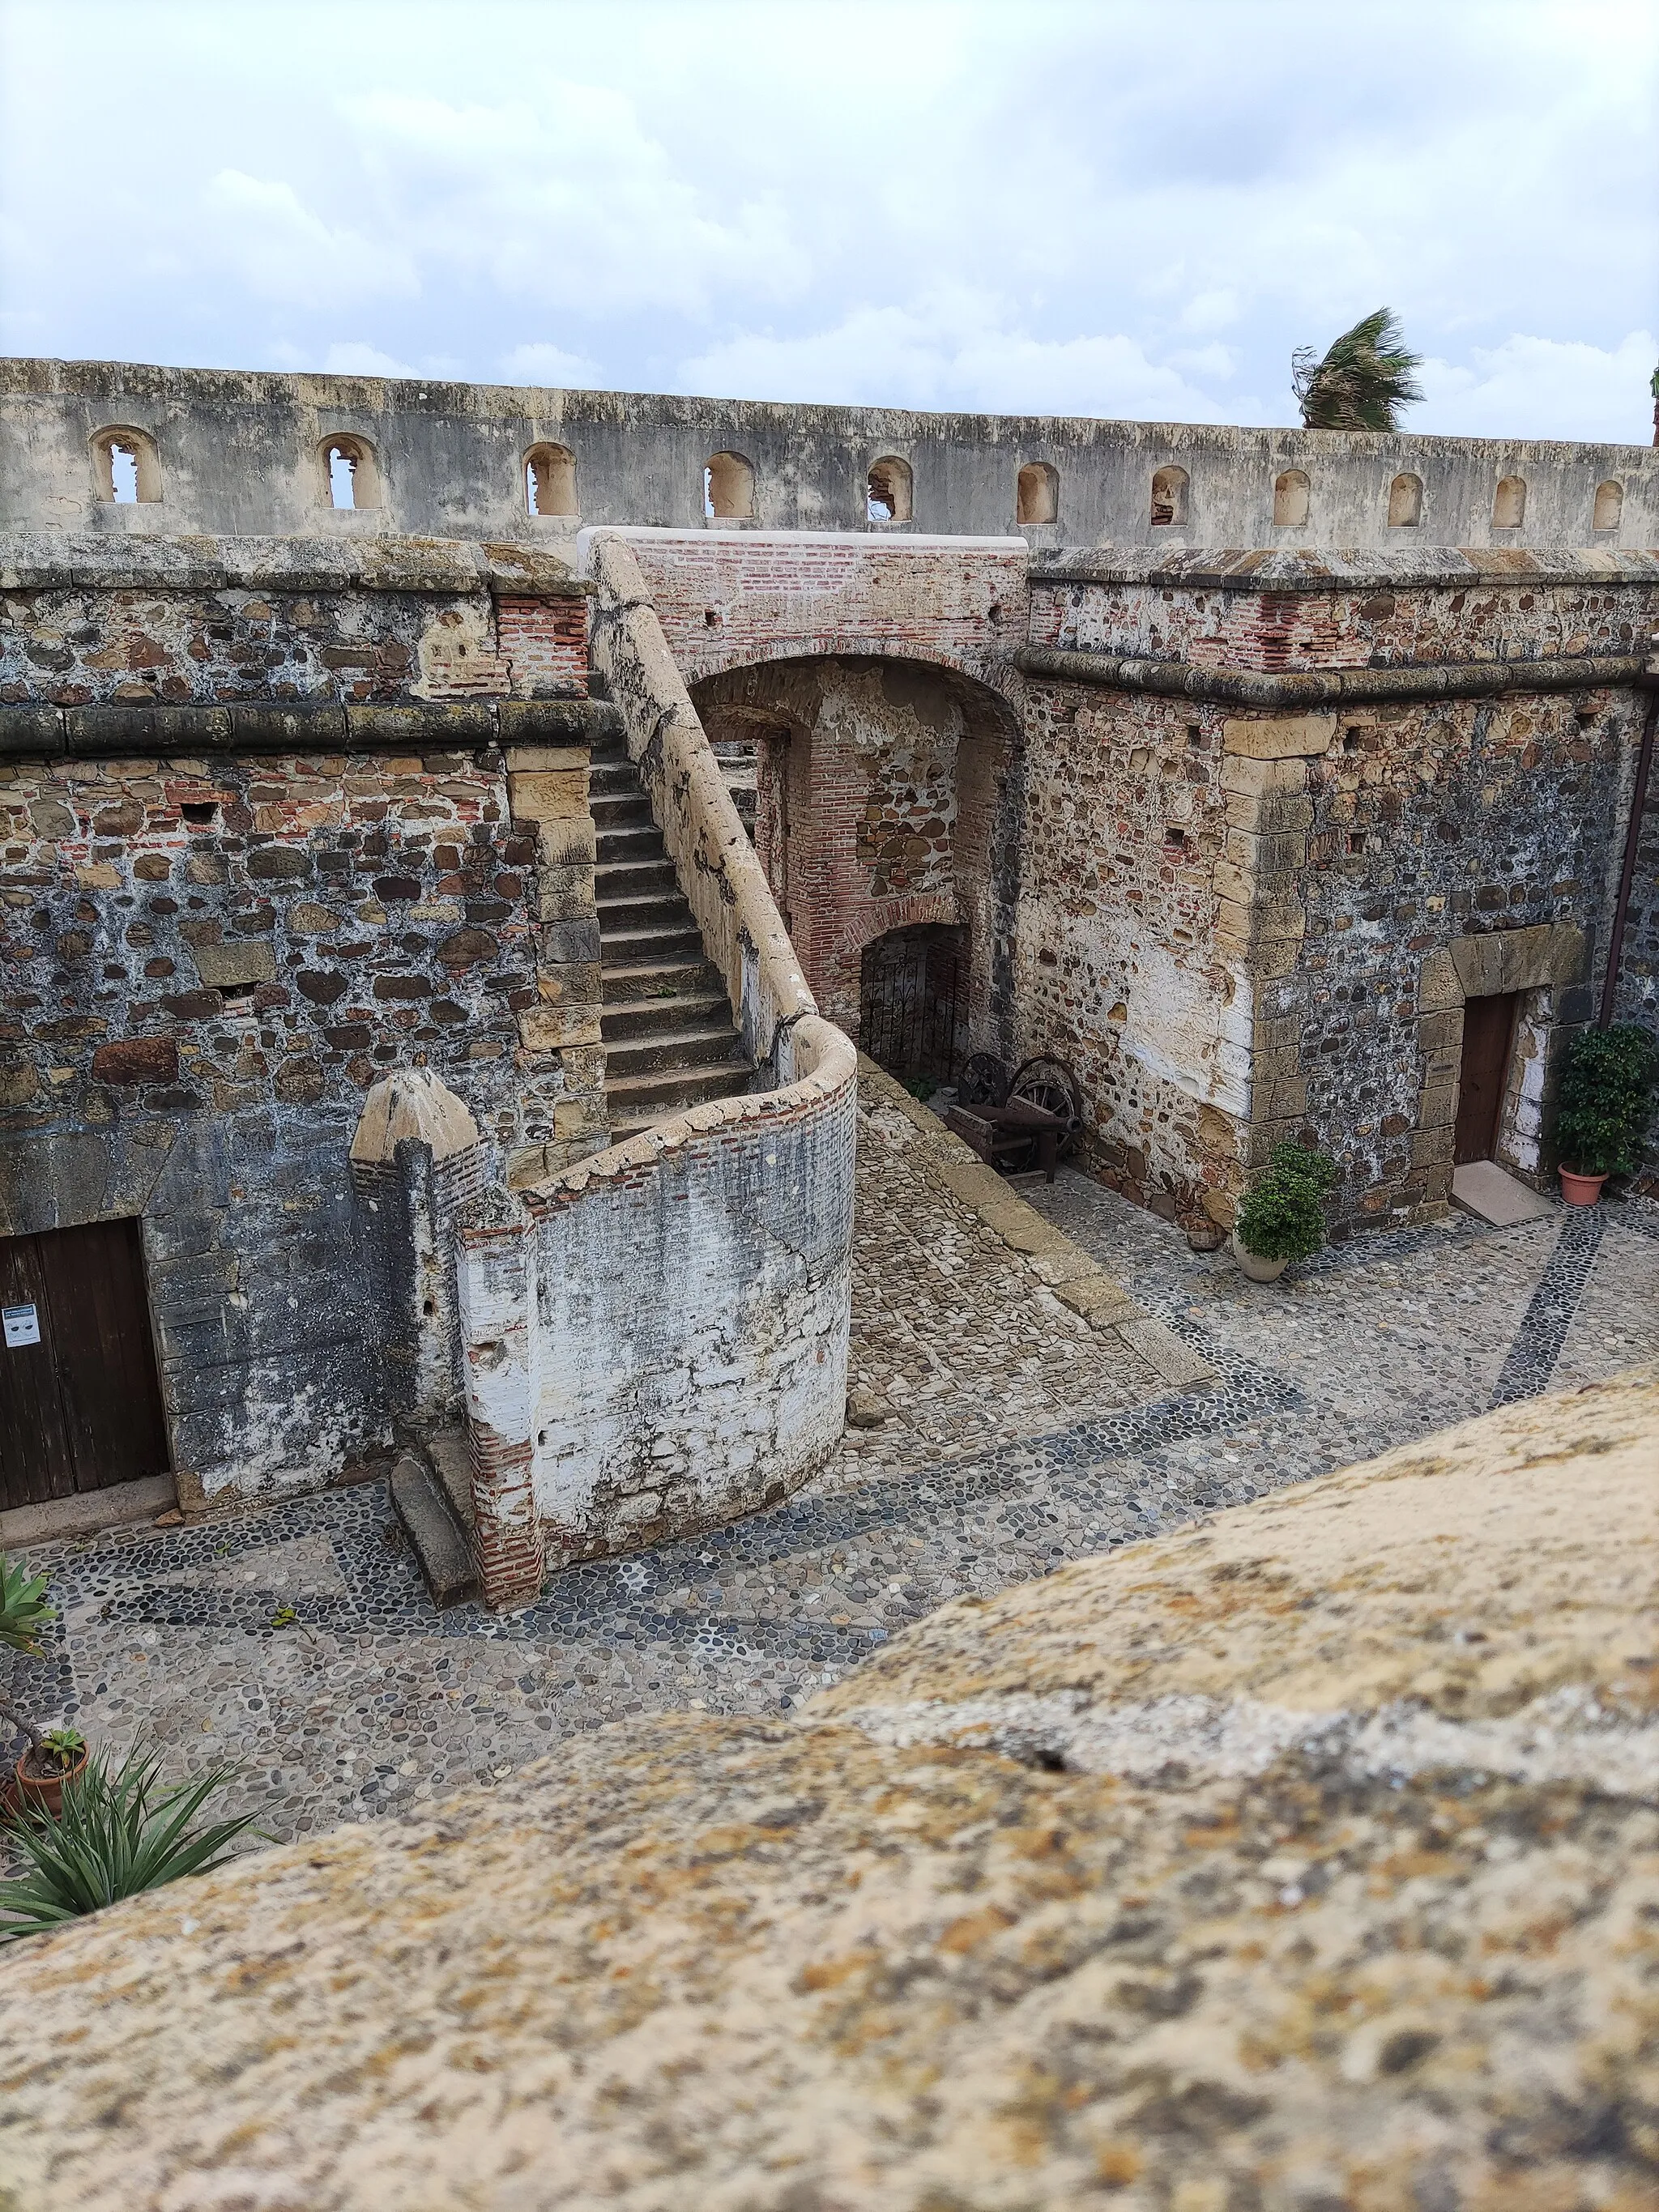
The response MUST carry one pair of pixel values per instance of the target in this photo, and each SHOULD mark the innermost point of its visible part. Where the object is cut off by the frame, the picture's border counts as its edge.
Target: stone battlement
(246, 453)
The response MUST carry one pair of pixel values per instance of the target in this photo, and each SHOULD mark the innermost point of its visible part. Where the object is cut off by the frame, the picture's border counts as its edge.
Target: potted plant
(1604, 1107)
(1282, 1216)
(45, 1761)
(121, 1831)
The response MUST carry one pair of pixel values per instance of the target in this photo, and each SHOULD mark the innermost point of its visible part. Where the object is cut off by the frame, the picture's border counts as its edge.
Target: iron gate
(913, 1002)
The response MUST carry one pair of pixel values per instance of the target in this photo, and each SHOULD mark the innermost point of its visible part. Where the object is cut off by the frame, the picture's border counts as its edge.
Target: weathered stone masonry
(222, 923)
(297, 869)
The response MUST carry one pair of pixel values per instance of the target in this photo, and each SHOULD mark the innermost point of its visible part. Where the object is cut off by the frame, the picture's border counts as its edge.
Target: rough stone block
(243, 961)
(1254, 779)
(545, 1028)
(1285, 737)
(1266, 853)
(570, 842)
(1437, 986)
(544, 760)
(564, 943)
(1269, 811)
(577, 983)
(1233, 883)
(564, 893)
(1436, 1107)
(1440, 1032)
(549, 795)
(136, 1060)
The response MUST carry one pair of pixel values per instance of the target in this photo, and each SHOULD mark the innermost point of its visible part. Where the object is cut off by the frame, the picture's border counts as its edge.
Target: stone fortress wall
(240, 453)
(291, 819)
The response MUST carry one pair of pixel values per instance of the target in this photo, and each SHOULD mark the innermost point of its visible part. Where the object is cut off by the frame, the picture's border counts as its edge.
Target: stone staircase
(669, 1041)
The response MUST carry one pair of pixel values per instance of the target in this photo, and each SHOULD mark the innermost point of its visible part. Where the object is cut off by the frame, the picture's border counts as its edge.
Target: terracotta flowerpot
(1252, 1264)
(44, 1791)
(1581, 1189)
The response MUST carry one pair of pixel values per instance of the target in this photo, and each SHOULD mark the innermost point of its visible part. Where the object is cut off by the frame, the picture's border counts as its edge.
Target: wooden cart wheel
(1048, 1083)
(983, 1081)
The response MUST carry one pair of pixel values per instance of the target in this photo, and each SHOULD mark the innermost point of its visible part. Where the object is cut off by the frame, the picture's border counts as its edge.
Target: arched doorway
(914, 1000)
(887, 803)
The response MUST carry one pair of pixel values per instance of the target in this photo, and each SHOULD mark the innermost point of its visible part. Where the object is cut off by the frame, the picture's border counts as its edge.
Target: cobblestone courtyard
(1009, 1434)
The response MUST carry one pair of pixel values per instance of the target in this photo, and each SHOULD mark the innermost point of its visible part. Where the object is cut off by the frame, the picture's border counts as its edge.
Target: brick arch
(883, 782)
(731, 600)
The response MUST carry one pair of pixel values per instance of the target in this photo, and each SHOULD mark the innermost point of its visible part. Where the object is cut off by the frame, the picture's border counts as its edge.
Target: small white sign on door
(23, 1326)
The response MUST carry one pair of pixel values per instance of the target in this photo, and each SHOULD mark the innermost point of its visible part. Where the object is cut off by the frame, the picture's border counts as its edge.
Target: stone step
(420, 1502)
(670, 1051)
(450, 1456)
(626, 947)
(688, 1009)
(671, 1091)
(634, 878)
(631, 841)
(661, 910)
(622, 811)
(626, 982)
(611, 777)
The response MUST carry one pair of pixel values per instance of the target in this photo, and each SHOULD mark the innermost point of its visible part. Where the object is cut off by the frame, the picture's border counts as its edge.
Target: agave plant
(120, 1832)
(1362, 381)
(23, 1613)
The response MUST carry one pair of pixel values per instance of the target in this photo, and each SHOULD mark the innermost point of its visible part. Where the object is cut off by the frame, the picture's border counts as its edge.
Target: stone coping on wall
(42, 376)
(1062, 1267)
(36, 560)
(1292, 689)
(1289, 569)
(832, 1064)
(299, 726)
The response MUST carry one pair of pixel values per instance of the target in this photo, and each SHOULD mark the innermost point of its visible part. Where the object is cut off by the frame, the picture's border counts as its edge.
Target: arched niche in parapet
(1170, 490)
(888, 491)
(126, 469)
(348, 473)
(1609, 510)
(1037, 493)
(550, 480)
(1291, 494)
(1406, 502)
(1509, 504)
(728, 488)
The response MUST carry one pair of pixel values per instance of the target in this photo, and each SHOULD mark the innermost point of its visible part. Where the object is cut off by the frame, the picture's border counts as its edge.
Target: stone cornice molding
(1302, 688)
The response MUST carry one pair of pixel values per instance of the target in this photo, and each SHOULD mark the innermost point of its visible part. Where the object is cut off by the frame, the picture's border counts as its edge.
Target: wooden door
(1488, 1042)
(80, 1401)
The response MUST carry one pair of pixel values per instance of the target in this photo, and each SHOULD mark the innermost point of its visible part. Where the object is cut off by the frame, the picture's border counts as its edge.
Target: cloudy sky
(1105, 207)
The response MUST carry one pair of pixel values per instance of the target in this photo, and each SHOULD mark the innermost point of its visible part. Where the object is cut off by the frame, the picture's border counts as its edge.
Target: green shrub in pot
(1282, 1215)
(1605, 1100)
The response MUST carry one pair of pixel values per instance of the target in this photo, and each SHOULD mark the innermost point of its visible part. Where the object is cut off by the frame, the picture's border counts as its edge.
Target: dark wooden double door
(80, 1400)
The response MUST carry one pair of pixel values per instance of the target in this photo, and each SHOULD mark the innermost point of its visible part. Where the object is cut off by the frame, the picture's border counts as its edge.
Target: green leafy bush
(1283, 1214)
(1605, 1100)
(23, 1613)
(119, 1832)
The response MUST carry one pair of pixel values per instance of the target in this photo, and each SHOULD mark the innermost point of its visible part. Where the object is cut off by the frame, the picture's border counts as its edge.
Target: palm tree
(1365, 378)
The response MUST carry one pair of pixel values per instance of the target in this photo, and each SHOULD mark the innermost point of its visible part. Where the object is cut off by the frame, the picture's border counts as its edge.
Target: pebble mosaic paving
(297, 1646)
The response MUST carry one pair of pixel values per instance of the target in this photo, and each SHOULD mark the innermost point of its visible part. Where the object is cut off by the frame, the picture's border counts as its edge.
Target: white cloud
(549, 365)
(569, 201)
(954, 348)
(258, 229)
(359, 360)
(1071, 204)
(1531, 387)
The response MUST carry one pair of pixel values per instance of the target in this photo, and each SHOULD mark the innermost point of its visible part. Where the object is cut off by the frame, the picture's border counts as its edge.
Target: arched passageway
(885, 802)
(912, 1000)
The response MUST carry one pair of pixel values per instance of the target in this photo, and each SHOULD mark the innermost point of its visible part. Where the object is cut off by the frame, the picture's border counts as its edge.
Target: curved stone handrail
(742, 930)
(656, 1337)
